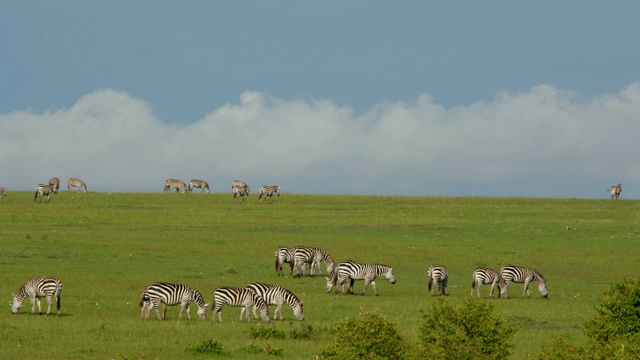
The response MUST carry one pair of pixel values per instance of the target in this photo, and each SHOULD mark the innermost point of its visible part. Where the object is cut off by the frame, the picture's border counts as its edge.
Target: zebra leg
(373, 285)
(156, 306)
(48, 304)
(242, 310)
(278, 310)
(526, 288)
(431, 286)
(34, 300)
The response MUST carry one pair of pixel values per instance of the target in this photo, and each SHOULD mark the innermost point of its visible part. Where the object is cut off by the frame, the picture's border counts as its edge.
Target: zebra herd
(54, 185)
(239, 188)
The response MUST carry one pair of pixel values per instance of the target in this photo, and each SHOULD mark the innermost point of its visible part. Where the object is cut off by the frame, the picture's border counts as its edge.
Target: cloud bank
(543, 142)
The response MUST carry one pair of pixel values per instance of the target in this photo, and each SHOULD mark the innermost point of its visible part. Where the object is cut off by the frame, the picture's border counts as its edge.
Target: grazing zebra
(239, 192)
(277, 295)
(310, 255)
(519, 274)
(169, 295)
(54, 183)
(42, 190)
(483, 275)
(36, 288)
(350, 270)
(438, 275)
(238, 297)
(284, 255)
(200, 184)
(268, 191)
(615, 191)
(76, 183)
(178, 185)
(239, 184)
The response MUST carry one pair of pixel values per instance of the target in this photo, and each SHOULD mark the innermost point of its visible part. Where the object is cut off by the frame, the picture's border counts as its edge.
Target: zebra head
(259, 302)
(17, 304)
(542, 285)
(330, 280)
(297, 311)
(202, 311)
(389, 276)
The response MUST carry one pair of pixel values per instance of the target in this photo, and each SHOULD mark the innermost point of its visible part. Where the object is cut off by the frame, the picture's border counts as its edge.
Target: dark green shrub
(264, 332)
(211, 346)
(368, 336)
(303, 332)
(471, 331)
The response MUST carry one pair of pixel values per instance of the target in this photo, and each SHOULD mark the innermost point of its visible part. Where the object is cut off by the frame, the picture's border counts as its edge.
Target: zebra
(310, 255)
(268, 191)
(438, 275)
(239, 184)
(54, 183)
(483, 275)
(169, 295)
(519, 274)
(178, 185)
(240, 192)
(36, 288)
(284, 255)
(3, 192)
(243, 297)
(76, 183)
(615, 191)
(350, 270)
(200, 184)
(277, 295)
(42, 190)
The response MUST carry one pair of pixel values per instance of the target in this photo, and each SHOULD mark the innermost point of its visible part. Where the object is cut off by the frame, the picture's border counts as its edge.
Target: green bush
(211, 346)
(470, 331)
(265, 332)
(368, 336)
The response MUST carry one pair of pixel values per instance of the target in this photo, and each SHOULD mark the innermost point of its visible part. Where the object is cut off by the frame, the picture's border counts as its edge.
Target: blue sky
(364, 97)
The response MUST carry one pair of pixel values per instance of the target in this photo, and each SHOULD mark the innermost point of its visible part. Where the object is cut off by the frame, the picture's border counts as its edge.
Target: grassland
(107, 247)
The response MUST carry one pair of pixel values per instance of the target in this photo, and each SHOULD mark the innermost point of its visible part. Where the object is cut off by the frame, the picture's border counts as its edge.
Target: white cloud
(544, 142)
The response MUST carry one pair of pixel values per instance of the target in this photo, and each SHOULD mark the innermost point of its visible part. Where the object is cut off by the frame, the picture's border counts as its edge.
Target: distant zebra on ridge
(268, 191)
(54, 183)
(615, 191)
(277, 295)
(3, 192)
(483, 275)
(169, 295)
(351, 271)
(37, 288)
(438, 274)
(284, 255)
(43, 190)
(243, 297)
(239, 192)
(76, 183)
(178, 185)
(200, 184)
(303, 255)
(519, 274)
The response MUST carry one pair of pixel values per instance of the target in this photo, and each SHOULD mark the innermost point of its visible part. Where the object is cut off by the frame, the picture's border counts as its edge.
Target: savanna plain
(107, 247)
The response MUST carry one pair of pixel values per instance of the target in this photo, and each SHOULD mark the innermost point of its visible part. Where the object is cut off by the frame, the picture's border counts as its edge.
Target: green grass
(106, 248)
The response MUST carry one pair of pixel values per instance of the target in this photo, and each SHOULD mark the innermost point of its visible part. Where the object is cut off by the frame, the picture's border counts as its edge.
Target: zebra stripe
(277, 295)
(238, 297)
(170, 295)
(438, 275)
(42, 190)
(483, 275)
(54, 183)
(37, 288)
(178, 185)
(519, 274)
(615, 191)
(76, 183)
(284, 255)
(310, 255)
(269, 191)
(200, 184)
(240, 192)
(350, 270)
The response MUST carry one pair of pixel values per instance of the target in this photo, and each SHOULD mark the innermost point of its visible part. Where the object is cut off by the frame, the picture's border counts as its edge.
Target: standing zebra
(483, 275)
(42, 190)
(178, 185)
(268, 191)
(200, 184)
(76, 183)
(519, 274)
(438, 275)
(243, 297)
(615, 191)
(36, 288)
(239, 184)
(277, 295)
(310, 255)
(350, 270)
(54, 183)
(169, 295)
(239, 192)
(284, 255)
(3, 192)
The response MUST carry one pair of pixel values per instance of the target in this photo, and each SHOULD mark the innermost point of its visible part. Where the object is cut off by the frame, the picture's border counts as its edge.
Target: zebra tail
(277, 263)
(142, 298)
(58, 299)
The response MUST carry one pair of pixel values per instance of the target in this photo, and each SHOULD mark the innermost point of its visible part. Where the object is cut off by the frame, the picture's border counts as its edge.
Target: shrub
(207, 347)
(471, 331)
(264, 332)
(367, 336)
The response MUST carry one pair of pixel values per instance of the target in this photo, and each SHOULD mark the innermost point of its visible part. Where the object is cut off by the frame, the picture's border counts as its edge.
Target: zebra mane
(538, 277)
